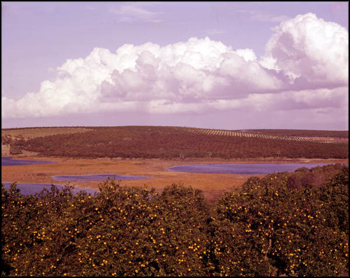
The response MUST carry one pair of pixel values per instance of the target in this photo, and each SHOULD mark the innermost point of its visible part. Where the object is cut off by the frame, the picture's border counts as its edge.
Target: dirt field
(213, 185)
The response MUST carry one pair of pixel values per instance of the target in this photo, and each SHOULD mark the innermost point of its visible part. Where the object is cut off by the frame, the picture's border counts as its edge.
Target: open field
(213, 185)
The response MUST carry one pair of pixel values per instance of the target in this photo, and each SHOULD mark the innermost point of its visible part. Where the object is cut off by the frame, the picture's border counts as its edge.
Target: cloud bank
(305, 66)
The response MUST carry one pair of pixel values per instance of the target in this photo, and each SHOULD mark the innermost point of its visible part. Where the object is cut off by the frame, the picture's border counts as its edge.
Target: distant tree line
(284, 224)
(302, 133)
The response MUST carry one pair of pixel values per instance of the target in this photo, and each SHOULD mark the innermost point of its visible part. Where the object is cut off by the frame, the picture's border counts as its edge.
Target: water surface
(243, 168)
(8, 161)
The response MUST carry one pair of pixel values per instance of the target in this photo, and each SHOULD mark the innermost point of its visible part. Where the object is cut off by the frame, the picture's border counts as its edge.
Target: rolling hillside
(177, 142)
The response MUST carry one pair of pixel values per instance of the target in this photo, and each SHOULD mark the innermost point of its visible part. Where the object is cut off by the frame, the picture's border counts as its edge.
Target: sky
(222, 65)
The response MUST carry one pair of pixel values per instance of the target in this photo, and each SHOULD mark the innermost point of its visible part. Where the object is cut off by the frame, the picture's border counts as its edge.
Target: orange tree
(136, 232)
(28, 239)
(181, 229)
(268, 229)
(119, 231)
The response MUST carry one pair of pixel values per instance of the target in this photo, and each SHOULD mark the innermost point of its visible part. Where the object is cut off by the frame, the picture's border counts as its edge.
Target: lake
(32, 188)
(8, 161)
(243, 168)
(220, 168)
(99, 177)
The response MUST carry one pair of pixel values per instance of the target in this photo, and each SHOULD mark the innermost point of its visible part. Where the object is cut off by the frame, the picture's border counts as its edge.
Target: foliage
(302, 132)
(267, 228)
(175, 142)
(6, 140)
(117, 232)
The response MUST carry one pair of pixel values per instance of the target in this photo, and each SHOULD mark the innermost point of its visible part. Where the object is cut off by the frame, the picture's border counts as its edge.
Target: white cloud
(305, 67)
(299, 100)
(310, 50)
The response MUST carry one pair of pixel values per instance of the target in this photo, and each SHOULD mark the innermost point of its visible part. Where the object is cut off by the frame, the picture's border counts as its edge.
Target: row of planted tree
(289, 224)
(171, 142)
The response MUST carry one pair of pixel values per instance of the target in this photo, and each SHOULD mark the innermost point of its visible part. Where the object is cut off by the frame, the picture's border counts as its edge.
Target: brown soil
(213, 185)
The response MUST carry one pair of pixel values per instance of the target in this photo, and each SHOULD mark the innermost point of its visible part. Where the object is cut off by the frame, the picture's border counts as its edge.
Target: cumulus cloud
(305, 67)
(309, 51)
(299, 100)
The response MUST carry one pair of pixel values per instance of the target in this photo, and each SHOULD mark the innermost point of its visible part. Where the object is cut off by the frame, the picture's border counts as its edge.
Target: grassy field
(213, 185)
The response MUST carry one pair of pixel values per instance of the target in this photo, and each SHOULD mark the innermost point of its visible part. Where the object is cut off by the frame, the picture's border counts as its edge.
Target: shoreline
(212, 185)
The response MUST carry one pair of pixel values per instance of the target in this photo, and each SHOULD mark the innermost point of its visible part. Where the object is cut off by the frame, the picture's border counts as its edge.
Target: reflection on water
(101, 177)
(32, 188)
(243, 168)
(8, 161)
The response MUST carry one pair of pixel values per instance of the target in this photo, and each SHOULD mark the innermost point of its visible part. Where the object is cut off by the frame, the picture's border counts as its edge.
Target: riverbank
(213, 185)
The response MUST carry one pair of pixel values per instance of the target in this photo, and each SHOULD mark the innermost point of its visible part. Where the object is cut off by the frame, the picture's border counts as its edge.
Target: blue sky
(229, 65)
